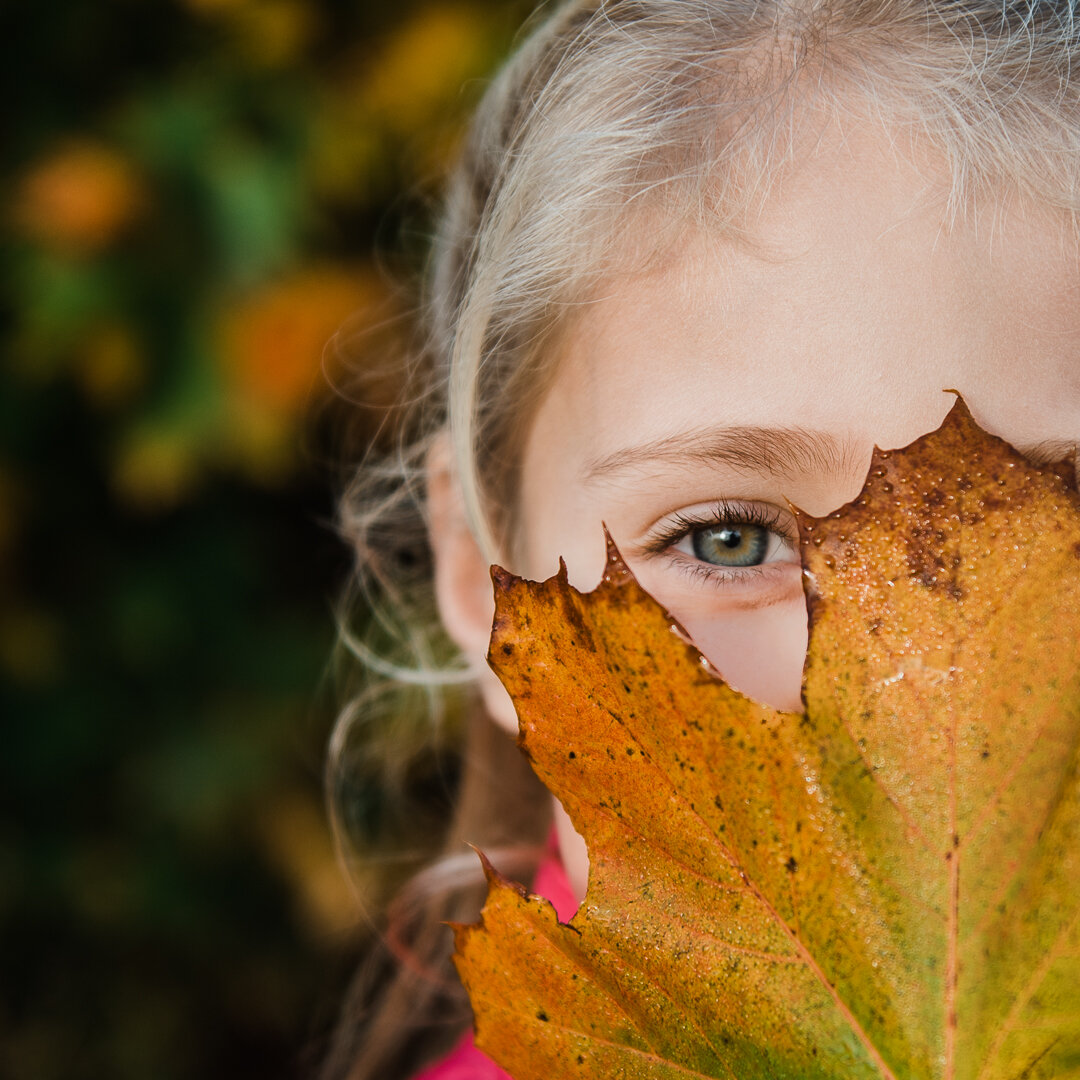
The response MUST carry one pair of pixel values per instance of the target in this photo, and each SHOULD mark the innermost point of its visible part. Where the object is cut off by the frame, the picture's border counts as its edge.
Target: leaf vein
(801, 948)
(1038, 975)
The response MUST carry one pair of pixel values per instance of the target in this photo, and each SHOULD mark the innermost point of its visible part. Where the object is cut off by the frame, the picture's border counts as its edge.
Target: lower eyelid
(748, 589)
(722, 574)
(726, 575)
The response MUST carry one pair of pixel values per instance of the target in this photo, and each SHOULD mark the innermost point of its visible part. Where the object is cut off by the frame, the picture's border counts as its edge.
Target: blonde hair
(685, 111)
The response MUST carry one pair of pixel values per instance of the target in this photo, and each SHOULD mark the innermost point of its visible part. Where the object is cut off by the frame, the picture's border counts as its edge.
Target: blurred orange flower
(273, 342)
(78, 198)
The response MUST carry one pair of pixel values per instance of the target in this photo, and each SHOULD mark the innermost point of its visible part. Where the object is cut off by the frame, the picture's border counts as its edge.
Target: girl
(698, 258)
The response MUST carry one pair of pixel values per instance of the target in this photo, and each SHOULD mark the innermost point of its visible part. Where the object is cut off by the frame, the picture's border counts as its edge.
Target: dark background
(196, 194)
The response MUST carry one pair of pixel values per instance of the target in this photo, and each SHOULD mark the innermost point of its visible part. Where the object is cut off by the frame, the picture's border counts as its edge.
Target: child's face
(695, 401)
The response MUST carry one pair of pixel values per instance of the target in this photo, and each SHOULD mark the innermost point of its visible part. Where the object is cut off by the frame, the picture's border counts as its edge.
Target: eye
(726, 538)
(730, 544)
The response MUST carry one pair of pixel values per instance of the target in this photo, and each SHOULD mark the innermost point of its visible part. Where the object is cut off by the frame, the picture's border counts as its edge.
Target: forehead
(851, 305)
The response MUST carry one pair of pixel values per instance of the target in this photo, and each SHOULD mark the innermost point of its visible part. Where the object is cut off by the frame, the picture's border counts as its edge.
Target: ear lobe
(463, 590)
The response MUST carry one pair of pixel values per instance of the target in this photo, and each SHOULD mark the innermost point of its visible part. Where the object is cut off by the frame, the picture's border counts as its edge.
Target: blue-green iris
(732, 545)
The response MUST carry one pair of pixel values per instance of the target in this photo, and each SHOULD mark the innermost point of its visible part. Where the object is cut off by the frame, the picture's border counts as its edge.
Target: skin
(856, 305)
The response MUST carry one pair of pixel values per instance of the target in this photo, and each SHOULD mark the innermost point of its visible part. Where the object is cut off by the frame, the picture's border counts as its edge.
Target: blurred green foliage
(194, 193)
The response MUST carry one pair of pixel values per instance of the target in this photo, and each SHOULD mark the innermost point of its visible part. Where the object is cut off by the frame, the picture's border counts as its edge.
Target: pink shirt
(465, 1062)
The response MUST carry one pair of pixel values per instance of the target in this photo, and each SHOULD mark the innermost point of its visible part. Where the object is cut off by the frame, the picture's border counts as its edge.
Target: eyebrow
(786, 451)
(1050, 452)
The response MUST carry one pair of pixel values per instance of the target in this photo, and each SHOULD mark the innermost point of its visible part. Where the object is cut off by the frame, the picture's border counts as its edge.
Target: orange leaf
(885, 886)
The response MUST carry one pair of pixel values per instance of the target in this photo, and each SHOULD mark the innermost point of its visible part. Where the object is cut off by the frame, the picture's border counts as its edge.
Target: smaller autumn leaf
(887, 886)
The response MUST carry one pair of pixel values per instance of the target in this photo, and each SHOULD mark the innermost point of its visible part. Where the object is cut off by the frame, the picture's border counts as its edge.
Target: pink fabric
(465, 1062)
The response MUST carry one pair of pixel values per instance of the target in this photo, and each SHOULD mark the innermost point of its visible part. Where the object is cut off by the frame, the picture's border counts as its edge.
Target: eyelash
(666, 536)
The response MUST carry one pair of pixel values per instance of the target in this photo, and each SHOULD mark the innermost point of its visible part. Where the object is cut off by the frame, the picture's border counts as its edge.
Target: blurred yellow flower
(213, 7)
(273, 33)
(155, 469)
(29, 645)
(78, 198)
(269, 33)
(296, 837)
(111, 365)
(407, 86)
(258, 441)
(423, 65)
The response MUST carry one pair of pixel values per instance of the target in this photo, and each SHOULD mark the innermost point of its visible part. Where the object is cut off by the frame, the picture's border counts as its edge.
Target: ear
(463, 589)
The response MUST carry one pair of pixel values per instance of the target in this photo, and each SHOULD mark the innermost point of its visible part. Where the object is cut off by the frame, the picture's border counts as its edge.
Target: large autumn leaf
(887, 886)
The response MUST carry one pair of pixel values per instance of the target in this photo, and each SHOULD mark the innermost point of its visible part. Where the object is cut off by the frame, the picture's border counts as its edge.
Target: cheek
(759, 652)
(553, 526)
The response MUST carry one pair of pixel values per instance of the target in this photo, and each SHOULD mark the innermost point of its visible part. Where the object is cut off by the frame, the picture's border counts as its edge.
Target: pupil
(732, 545)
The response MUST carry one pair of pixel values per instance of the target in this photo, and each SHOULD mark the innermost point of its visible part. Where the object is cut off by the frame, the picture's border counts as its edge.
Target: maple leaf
(885, 886)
